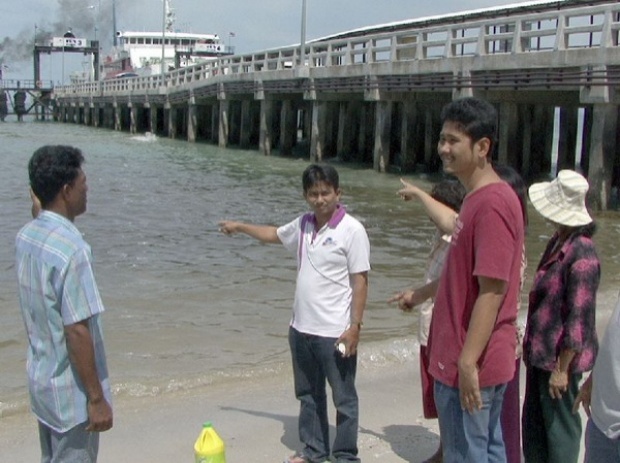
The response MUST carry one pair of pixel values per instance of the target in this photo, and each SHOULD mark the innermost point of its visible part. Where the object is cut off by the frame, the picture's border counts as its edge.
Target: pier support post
(215, 114)
(407, 135)
(586, 139)
(72, 110)
(383, 127)
(317, 142)
(234, 123)
(363, 144)
(133, 110)
(172, 122)
(265, 127)
(542, 141)
(288, 128)
(245, 127)
(343, 128)
(87, 115)
(602, 154)
(567, 142)
(509, 146)
(348, 129)
(430, 148)
(526, 116)
(222, 134)
(191, 121)
(117, 116)
(95, 115)
(306, 122)
(107, 116)
(152, 119)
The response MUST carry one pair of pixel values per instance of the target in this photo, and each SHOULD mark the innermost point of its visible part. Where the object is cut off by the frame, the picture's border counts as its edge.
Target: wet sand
(257, 420)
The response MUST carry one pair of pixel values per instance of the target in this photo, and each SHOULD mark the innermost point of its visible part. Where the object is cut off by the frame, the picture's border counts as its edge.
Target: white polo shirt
(325, 259)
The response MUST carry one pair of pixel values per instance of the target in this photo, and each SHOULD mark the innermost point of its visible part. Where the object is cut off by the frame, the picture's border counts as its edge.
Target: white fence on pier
(577, 37)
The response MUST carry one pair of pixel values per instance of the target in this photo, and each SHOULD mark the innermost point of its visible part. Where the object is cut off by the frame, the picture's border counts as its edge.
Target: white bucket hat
(562, 200)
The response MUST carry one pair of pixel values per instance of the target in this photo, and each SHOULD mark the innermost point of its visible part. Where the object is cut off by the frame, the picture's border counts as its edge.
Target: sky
(256, 24)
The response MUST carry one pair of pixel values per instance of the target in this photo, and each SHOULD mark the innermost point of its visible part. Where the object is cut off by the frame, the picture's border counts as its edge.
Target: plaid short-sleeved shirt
(57, 288)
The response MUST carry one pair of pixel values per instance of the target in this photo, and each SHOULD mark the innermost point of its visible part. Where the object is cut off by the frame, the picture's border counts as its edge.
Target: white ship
(140, 53)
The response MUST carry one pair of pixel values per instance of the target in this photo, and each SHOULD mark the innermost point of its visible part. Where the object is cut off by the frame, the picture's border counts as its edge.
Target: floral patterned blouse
(562, 305)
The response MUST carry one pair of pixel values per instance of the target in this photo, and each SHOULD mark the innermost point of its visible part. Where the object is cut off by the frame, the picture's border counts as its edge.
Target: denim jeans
(599, 447)
(316, 362)
(470, 437)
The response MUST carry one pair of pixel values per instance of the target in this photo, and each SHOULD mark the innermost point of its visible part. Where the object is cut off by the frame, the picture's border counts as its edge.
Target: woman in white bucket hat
(560, 339)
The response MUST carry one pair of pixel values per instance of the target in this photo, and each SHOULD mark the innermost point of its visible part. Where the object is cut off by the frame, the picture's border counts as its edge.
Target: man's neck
(321, 221)
(479, 178)
(60, 210)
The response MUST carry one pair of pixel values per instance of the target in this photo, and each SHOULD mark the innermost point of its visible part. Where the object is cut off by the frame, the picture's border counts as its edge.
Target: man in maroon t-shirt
(472, 339)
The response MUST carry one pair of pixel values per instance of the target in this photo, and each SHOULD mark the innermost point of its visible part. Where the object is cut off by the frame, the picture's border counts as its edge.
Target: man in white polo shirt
(333, 260)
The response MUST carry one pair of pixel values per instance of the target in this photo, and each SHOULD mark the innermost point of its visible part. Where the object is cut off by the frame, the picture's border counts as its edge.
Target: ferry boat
(140, 53)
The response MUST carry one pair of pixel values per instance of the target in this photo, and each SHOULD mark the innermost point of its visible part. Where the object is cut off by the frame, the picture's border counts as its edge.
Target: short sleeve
(289, 234)
(80, 295)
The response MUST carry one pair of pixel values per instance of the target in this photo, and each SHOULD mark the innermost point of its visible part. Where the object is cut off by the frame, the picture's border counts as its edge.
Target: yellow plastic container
(209, 447)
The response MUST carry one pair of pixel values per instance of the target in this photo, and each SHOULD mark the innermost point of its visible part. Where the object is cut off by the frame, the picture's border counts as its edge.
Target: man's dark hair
(51, 167)
(449, 192)
(475, 117)
(316, 173)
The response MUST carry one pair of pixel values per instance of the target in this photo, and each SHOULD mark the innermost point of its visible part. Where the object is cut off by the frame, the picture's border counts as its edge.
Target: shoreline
(256, 416)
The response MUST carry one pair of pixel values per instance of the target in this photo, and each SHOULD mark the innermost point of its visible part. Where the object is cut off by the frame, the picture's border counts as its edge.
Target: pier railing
(511, 45)
(25, 84)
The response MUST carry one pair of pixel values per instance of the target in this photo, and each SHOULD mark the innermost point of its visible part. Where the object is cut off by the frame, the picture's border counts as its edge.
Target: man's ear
(484, 146)
(65, 191)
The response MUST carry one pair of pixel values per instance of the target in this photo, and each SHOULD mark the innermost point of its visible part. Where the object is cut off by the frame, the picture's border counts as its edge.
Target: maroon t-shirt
(487, 242)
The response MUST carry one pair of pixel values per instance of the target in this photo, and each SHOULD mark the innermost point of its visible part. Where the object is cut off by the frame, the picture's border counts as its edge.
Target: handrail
(594, 27)
(25, 84)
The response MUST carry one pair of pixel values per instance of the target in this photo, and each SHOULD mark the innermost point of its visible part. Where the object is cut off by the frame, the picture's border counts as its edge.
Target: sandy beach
(256, 418)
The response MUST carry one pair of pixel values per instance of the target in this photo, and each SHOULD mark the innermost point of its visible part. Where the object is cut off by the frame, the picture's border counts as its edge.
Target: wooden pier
(374, 95)
(25, 98)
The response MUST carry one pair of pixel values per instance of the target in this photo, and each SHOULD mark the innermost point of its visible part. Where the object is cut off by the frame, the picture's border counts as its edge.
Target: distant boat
(140, 53)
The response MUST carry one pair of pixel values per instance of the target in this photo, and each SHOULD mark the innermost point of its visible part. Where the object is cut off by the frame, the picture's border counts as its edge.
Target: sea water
(187, 306)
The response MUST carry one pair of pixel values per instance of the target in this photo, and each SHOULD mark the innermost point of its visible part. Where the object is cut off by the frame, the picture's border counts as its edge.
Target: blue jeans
(470, 437)
(315, 362)
(599, 447)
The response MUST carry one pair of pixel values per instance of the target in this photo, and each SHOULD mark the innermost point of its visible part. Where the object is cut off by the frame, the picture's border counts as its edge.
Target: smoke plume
(85, 18)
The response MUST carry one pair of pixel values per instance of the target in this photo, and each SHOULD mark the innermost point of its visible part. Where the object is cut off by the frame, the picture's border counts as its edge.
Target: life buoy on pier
(38, 84)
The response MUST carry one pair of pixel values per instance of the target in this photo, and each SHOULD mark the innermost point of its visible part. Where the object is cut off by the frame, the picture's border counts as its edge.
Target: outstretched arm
(409, 298)
(264, 233)
(440, 214)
